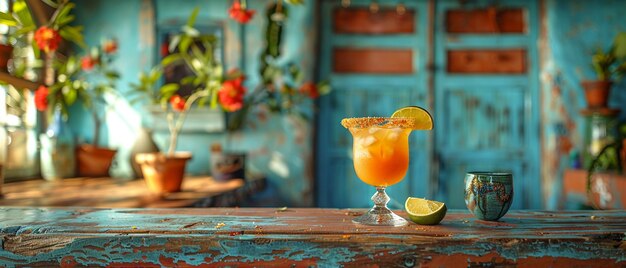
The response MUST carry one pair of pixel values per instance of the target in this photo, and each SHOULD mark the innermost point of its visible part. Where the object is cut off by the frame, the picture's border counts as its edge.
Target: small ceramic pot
(228, 166)
(488, 195)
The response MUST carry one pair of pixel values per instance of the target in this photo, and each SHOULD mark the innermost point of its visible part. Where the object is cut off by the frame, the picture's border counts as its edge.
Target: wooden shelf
(18, 82)
(112, 193)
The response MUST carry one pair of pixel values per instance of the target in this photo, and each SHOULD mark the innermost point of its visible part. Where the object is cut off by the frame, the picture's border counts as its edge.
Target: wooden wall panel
(372, 60)
(488, 20)
(362, 21)
(501, 61)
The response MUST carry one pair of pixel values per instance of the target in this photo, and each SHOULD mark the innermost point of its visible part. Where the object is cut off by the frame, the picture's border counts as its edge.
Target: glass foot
(381, 218)
(380, 215)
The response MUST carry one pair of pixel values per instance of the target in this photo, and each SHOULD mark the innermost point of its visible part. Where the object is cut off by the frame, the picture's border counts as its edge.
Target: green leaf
(69, 95)
(61, 14)
(112, 75)
(197, 53)
(296, 73)
(323, 87)
(7, 19)
(73, 34)
(198, 80)
(65, 20)
(21, 11)
(185, 41)
(192, 18)
(155, 74)
(620, 46)
(169, 89)
(295, 2)
(187, 80)
(172, 58)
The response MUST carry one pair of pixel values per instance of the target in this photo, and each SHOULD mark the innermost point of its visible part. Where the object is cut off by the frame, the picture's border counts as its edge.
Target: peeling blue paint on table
(303, 237)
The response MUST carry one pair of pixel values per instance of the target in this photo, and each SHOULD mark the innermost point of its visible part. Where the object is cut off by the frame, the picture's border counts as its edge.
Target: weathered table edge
(63, 243)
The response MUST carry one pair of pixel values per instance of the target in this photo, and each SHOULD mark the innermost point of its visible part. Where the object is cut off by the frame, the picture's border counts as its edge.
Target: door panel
(483, 118)
(486, 90)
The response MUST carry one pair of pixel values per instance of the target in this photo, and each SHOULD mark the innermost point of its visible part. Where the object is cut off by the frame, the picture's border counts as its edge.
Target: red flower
(109, 46)
(178, 103)
(47, 39)
(239, 13)
(310, 89)
(165, 49)
(231, 94)
(41, 98)
(88, 62)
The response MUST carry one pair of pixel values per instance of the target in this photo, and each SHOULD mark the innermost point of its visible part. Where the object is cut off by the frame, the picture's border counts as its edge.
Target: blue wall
(573, 31)
(278, 146)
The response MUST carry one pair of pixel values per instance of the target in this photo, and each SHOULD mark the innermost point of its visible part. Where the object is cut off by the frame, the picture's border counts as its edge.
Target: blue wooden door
(482, 89)
(486, 96)
(374, 90)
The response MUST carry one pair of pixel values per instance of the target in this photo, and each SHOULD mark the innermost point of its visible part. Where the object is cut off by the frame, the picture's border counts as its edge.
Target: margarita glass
(381, 159)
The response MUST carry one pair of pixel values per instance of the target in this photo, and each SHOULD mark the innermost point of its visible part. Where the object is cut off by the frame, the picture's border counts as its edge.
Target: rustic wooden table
(111, 193)
(304, 237)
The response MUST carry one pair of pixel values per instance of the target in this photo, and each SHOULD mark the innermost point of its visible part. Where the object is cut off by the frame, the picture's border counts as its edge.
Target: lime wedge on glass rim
(423, 211)
(421, 117)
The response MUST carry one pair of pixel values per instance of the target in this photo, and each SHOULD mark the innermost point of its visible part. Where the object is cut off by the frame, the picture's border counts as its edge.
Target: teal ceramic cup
(488, 195)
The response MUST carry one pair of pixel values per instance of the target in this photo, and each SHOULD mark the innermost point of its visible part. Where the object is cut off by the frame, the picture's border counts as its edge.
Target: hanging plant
(283, 87)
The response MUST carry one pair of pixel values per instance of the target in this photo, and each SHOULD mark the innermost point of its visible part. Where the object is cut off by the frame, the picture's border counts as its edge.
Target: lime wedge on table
(421, 117)
(423, 211)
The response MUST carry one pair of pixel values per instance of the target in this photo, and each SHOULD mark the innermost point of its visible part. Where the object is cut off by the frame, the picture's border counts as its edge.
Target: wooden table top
(110, 193)
(305, 236)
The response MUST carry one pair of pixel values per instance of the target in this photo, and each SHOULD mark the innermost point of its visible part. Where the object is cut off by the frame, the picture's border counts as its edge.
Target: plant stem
(96, 125)
(173, 133)
(176, 124)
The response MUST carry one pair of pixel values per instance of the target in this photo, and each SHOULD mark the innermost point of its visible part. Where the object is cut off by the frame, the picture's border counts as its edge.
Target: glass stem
(380, 199)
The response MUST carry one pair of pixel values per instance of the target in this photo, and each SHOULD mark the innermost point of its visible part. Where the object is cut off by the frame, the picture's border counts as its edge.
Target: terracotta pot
(597, 93)
(6, 53)
(94, 161)
(163, 174)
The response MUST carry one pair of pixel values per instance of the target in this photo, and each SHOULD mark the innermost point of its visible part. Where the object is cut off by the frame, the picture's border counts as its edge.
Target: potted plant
(164, 172)
(609, 66)
(57, 145)
(610, 159)
(92, 160)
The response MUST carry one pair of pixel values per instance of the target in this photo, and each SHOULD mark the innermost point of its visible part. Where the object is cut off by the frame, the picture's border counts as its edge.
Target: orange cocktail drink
(381, 154)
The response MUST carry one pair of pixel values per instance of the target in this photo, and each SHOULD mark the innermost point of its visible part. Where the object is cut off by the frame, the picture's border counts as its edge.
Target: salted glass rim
(382, 122)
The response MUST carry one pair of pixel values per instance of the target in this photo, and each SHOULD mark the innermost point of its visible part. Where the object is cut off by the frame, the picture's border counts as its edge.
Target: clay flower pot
(94, 161)
(597, 93)
(163, 173)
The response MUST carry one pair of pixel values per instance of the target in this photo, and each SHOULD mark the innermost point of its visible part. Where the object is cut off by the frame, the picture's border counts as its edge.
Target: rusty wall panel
(489, 20)
(362, 21)
(371, 60)
(501, 61)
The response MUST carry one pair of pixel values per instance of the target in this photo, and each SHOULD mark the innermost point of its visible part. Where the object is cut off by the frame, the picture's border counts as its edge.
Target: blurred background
(262, 85)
